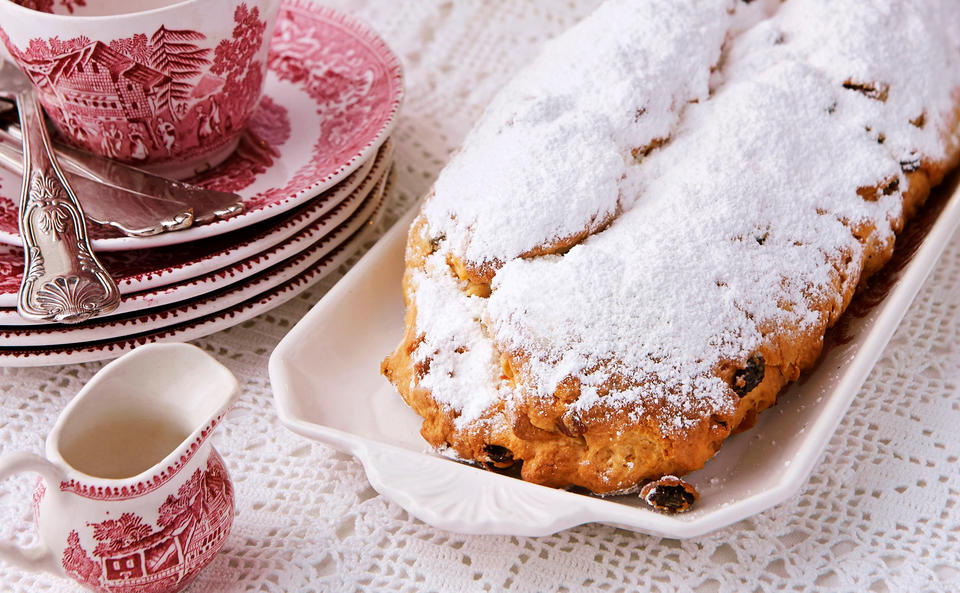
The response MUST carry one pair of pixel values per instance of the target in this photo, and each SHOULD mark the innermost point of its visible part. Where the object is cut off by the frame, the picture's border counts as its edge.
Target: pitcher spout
(160, 401)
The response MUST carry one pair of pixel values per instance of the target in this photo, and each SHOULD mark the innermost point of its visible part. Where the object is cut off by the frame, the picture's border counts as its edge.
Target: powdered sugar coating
(740, 230)
(670, 295)
(463, 369)
(909, 47)
(566, 125)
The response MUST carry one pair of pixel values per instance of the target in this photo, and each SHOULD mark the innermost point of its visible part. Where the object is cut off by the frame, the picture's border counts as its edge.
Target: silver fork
(63, 280)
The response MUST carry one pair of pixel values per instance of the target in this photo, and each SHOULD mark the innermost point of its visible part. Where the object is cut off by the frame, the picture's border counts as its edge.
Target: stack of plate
(313, 169)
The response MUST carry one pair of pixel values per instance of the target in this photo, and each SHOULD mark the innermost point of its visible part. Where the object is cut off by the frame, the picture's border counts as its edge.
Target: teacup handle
(39, 557)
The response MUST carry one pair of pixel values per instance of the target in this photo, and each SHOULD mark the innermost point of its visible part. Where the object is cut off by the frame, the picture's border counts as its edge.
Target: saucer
(331, 97)
(318, 234)
(190, 330)
(149, 269)
(151, 320)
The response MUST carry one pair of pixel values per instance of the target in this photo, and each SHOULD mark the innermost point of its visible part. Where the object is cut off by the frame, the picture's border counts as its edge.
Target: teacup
(167, 85)
(132, 496)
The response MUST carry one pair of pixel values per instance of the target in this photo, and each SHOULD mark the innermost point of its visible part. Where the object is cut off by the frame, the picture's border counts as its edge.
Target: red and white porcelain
(179, 265)
(331, 97)
(316, 239)
(191, 330)
(168, 88)
(140, 321)
(153, 531)
(311, 168)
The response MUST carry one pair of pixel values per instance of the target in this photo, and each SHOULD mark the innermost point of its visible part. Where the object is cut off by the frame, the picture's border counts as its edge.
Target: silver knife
(130, 213)
(207, 205)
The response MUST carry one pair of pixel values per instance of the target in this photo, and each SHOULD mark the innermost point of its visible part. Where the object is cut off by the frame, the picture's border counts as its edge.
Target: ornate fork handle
(63, 281)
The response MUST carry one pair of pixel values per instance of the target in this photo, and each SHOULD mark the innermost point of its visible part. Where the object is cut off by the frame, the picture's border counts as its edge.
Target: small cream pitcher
(132, 496)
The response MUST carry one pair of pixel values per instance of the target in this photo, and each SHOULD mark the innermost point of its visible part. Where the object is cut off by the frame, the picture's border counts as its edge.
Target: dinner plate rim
(204, 326)
(230, 295)
(245, 253)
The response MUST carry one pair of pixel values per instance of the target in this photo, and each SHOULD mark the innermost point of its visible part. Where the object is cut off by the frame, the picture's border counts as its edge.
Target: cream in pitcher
(132, 495)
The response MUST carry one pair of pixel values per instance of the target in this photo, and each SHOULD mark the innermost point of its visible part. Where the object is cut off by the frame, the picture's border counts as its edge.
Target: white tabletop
(880, 513)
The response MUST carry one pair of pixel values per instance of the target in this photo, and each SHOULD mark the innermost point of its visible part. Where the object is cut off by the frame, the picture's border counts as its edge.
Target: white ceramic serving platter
(155, 277)
(153, 319)
(327, 386)
(316, 235)
(197, 328)
(331, 97)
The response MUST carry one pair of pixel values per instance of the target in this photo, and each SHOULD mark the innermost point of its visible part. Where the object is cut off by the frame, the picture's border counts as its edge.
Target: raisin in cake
(649, 230)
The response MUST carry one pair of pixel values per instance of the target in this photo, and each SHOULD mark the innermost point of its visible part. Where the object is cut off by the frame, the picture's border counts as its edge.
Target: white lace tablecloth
(880, 513)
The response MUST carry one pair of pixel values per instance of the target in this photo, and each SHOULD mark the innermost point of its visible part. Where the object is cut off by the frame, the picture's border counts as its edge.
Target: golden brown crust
(480, 274)
(606, 449)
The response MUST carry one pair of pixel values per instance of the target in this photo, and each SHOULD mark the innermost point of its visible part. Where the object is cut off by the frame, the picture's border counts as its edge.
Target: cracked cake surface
(649, 230)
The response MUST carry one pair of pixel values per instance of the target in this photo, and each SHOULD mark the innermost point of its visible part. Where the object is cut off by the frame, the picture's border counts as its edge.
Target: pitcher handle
(38, 557)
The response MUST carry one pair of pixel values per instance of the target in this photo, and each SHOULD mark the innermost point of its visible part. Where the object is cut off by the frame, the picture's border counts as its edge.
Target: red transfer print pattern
(269, 128)
(355, 84)
(134, 557)
(47, 5)
(143, 97)
(347, 71)
(78, 565)
(11, 258)
(11, 265)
